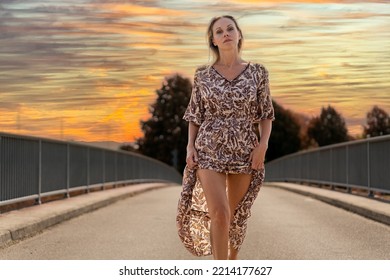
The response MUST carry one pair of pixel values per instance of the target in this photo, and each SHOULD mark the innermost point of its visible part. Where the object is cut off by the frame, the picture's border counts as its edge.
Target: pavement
(19, 224)
(26, 222)
(367, 207)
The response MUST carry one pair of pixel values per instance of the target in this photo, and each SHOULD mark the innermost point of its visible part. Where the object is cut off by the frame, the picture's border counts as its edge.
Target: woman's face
(225, 34)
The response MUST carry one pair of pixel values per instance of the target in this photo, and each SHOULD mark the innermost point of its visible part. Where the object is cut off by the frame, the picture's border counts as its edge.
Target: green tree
(165, 133)
(329, 128)
(285, 137)
(378, 123)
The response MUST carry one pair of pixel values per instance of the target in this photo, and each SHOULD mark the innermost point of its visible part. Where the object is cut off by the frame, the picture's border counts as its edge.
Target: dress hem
(193, 221)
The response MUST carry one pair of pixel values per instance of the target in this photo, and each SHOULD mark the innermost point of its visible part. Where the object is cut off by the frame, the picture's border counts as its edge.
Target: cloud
(300, 1)
(9, 106)
(86, 60)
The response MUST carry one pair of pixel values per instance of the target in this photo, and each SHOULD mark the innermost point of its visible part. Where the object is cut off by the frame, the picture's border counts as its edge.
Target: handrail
(363, 164)
(33, 167)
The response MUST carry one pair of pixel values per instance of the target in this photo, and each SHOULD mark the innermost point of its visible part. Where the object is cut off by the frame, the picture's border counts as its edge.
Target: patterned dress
(225, 111)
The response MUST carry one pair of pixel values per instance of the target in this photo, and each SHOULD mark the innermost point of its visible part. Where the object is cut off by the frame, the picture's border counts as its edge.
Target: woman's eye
(219, 31)
(230, 29)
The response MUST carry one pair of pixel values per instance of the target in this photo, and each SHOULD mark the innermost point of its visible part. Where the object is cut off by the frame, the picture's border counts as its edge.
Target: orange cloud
(80, 28)
(294, 1)
(138, 10)
(90, 72)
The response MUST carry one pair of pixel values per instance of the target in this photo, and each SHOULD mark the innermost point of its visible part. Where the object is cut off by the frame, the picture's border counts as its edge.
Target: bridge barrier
(362, 164)
(32, 168)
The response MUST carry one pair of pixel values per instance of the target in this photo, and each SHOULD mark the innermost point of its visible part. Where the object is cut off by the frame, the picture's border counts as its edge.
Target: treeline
(166, 133)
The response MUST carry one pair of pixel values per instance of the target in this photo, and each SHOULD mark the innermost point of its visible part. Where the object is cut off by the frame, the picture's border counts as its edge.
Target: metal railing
(363, 164)
(32, 168)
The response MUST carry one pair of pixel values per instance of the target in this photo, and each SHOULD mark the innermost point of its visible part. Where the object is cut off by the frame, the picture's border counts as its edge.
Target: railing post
(331, 169)
(88, 179)
(67, 170)
(104, 168)
(370, 192)
(300, 168)
(116, 170)
(39, 200)
(347, 156)
(318, 166)
(126, 166)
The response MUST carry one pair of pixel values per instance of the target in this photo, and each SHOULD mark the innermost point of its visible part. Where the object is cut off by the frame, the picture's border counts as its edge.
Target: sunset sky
(87, 70)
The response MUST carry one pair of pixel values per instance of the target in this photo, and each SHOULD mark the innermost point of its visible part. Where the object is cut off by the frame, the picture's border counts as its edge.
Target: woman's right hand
(192, 157)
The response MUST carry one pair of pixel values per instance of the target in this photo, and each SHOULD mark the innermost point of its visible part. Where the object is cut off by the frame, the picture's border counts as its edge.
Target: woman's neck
(229, 60)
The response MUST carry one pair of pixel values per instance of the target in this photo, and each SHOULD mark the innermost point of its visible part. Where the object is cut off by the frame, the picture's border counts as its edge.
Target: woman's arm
(192, 156)
(265, 127)
(258, 154)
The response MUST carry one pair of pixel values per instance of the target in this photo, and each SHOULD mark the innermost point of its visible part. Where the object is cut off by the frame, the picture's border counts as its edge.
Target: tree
(378, 123)
(329, 128)
(165, 133)
(285, 136)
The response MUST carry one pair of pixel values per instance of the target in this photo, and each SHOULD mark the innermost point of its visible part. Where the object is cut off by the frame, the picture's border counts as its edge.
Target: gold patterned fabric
(225, 111)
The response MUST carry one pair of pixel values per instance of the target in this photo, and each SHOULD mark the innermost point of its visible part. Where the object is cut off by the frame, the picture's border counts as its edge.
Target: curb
(375, 215)
(20, 225)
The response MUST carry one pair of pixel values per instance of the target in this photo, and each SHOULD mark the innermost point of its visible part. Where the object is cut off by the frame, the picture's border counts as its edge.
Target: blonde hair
(213, 48)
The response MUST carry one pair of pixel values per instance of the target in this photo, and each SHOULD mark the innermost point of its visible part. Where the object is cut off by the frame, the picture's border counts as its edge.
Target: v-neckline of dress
(242, 72)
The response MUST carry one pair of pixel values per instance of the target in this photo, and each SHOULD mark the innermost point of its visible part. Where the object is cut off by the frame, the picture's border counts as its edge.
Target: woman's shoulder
(202, 68)
(259, 67)
(260, 72)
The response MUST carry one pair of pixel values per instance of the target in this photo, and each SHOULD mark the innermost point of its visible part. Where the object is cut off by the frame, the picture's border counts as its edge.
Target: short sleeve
(195, 109)
(265, 108)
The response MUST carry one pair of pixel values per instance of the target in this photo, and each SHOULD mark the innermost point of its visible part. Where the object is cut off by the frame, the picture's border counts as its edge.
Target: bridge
(119, 205)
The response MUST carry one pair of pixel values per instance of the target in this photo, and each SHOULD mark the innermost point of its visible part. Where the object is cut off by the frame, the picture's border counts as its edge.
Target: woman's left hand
(258, 155)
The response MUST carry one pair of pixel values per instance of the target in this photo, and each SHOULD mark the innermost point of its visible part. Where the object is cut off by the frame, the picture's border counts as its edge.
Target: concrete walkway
(19, 224)
(26, 222)
(364, 206)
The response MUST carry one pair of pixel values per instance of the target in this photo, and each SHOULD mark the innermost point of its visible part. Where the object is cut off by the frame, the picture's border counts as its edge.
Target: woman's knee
(221, 216)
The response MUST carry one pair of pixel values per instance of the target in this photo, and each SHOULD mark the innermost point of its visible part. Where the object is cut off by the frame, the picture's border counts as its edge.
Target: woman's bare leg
(238, 185)
(214, 188)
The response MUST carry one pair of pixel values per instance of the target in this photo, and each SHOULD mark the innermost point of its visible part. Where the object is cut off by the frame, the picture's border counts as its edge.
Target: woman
(225, 160)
